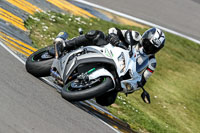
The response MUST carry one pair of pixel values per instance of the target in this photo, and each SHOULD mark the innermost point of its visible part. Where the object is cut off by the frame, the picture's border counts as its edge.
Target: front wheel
(107, 99)
(76, 91)
(39, 63)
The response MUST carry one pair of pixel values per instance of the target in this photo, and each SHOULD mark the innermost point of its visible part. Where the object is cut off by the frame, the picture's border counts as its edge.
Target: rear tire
(87, 93)
(39, 68)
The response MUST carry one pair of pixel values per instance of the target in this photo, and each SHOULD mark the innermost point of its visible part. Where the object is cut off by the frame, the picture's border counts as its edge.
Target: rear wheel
(77, 91)
(39, 63)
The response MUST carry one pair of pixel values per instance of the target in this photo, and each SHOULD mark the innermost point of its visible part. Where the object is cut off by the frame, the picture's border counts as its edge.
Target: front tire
(107, 98)
(87, 93)
(39, 67)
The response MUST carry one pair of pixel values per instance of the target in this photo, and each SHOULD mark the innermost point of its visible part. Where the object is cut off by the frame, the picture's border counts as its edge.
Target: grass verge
(174, 87)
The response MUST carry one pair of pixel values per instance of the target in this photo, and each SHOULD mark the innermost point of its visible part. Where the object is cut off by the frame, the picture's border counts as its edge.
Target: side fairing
(120, 57)
(89, 58)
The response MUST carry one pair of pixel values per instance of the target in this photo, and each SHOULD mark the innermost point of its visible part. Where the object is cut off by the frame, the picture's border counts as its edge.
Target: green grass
(174, 87)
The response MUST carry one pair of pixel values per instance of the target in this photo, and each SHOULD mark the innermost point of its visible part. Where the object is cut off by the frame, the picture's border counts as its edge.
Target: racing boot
(59, 43)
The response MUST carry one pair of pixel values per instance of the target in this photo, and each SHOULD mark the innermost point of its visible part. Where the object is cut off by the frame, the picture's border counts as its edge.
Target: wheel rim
(76, 85)
(42, 56)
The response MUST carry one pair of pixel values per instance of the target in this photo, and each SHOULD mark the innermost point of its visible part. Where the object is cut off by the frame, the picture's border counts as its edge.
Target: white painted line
(23, 62)
(11, 52)
(137, 20)
(117, 131)
(99, 108)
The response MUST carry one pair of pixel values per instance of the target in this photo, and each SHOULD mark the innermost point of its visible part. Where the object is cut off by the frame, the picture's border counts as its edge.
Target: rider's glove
(113, 39)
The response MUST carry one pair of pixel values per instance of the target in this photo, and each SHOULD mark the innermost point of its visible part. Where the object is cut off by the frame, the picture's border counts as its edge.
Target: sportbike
(90, 71)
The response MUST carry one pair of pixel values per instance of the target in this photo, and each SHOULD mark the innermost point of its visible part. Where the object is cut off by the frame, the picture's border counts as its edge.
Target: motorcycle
(90, 71)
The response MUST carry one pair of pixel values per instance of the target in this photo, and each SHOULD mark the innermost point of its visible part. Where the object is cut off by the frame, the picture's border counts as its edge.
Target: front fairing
(138, 63)
(135, 76)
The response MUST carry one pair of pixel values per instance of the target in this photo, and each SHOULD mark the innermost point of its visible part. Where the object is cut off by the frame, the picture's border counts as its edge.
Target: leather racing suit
(130, 36)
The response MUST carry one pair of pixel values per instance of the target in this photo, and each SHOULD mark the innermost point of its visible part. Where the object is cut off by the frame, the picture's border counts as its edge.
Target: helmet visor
(149, 34)
(149, 48)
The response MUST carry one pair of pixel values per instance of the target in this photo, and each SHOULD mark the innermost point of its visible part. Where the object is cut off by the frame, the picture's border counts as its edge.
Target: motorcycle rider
(147, 45)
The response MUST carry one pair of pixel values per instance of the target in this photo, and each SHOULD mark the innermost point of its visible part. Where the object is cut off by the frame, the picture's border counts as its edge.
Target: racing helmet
(152, 40)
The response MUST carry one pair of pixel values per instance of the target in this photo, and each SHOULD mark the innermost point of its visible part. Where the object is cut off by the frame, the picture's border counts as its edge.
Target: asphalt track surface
(29, 105)
(179, 15)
